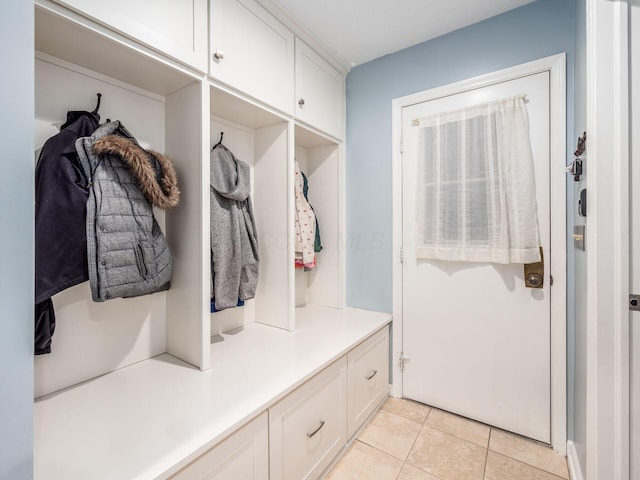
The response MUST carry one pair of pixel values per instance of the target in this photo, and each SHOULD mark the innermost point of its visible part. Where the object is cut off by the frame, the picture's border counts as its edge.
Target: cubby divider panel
(188, 328)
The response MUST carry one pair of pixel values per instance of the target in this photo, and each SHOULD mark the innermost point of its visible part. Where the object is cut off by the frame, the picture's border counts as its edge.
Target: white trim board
(575, 472)
(555, 65)
(608, 240)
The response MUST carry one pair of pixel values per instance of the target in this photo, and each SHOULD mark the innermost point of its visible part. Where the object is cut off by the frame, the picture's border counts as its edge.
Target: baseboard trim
(575, 472)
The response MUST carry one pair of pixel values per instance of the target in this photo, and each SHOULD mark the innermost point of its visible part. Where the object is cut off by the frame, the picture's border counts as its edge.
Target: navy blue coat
(60, 212)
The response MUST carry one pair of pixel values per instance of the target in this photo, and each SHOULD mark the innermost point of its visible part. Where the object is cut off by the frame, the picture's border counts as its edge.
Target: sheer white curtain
(476, 196)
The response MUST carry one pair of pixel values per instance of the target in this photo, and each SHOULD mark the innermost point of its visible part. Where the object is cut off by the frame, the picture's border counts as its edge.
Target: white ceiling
(356, 31)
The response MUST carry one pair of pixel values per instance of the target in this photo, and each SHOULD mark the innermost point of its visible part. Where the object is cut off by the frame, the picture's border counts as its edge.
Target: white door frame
(555, 65)
(607, 240)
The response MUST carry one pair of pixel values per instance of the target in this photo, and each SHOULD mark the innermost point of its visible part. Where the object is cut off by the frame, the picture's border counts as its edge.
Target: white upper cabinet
(319, 92)
(176, 28)
(252, 52)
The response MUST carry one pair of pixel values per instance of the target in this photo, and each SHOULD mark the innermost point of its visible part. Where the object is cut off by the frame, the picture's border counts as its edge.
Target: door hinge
(403, 360)
(551, 280)
(401, 145)
(401, 254)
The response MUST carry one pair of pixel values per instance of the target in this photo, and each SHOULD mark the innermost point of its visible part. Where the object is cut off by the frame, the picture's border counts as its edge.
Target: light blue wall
(578, 331)
(16, 241)
(536, 30)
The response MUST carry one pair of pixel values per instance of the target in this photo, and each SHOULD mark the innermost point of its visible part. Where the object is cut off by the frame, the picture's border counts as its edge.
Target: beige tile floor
(406, 440)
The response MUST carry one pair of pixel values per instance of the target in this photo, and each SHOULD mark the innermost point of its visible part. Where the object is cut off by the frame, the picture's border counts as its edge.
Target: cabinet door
(243, 456)
(176, 28)
(319, 92)
(252, 52)
(368, 378)
(308, 428)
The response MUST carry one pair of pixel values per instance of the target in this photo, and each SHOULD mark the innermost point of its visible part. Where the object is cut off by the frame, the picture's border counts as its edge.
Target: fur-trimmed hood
(127, 253)
(153, 171)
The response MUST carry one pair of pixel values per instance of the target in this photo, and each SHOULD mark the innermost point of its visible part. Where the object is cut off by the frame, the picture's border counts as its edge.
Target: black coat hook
(95, 110)
(220, 141)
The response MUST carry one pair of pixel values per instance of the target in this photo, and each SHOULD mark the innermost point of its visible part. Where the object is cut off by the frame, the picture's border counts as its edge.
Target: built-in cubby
(319, 158)
(260, 138)
(159, 104)
(152, 407)
(172, 109)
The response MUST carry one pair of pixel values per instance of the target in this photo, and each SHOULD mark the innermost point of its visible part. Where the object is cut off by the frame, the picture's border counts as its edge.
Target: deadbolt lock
(534, 273)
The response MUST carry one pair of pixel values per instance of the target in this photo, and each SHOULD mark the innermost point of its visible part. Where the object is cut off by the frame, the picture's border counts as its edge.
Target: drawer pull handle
(309, 435)
(372, 374)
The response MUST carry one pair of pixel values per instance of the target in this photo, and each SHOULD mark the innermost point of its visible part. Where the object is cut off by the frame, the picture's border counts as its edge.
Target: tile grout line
(530, 466)
(486, 456)
(413, 444)
(491, 430)
(358, 439)
(404, 462)
(424, 424)
(460, 417)
(524, 462)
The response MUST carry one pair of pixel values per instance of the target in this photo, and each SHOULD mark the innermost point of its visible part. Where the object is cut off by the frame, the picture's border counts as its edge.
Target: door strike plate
(578, 237)
(634, 303)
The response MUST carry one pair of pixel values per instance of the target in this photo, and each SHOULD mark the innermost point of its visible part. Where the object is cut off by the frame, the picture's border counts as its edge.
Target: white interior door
(477, 339)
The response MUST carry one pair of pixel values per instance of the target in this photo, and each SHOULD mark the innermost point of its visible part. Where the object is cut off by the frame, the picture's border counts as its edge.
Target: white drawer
(308, 428)
(244, 455)
(368, 378)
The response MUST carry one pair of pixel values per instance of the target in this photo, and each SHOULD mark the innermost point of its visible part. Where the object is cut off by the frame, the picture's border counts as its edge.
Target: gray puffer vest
(127, 253)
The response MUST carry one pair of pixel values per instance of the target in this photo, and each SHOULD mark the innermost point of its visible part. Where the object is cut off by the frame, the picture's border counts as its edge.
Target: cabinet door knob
(301, 102)
(218, 55)
(371, 375)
